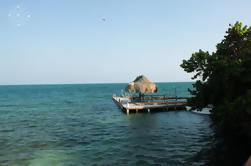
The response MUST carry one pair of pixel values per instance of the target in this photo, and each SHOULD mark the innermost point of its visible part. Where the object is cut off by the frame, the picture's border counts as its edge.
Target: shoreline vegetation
(223, 81)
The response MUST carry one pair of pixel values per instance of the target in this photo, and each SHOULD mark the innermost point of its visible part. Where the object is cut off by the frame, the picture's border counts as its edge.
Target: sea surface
(80, 125)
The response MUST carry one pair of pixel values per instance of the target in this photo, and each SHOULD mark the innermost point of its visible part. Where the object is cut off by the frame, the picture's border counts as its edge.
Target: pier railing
(157, 98)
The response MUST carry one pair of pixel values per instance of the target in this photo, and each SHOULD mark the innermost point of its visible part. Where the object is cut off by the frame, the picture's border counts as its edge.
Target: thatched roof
(141, 85)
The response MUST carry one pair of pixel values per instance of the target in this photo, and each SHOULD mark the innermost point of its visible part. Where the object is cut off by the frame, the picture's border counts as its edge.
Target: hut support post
(127, 111)
(148, 110)
(140, 96)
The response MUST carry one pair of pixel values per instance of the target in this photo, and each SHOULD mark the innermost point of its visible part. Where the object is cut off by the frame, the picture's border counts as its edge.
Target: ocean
(75, 125)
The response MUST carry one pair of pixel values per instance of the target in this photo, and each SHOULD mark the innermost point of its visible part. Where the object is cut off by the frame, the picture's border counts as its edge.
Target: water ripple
(73, 125)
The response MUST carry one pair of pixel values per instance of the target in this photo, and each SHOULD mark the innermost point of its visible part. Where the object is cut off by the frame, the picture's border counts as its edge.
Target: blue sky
(103, 41)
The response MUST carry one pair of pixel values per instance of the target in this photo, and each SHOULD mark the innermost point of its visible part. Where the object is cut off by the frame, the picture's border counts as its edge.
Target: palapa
(141, 85)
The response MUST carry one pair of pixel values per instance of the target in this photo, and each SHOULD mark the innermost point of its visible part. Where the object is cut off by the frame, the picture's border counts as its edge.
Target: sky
(109, 41)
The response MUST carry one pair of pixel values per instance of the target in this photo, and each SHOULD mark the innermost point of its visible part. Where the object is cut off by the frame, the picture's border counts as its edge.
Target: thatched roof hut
(141, 85)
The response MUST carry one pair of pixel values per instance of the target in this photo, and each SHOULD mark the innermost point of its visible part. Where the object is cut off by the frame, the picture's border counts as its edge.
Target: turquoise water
(74, 125)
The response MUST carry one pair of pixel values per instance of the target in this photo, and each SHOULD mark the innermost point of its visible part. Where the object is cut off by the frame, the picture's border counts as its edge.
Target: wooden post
(122, 94)
(127, 111)
(137, 110)
(148, 110)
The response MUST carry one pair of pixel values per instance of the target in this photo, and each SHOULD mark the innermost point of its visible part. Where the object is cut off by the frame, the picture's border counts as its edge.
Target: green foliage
(224, 80)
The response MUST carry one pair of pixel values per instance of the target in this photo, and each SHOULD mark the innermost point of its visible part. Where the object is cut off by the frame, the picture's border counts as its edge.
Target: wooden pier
(150, 103)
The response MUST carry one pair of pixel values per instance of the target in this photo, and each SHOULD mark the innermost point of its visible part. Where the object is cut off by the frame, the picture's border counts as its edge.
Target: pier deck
(156, 104)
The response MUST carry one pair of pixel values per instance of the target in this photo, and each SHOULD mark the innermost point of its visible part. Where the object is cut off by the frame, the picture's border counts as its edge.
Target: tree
(224, 82)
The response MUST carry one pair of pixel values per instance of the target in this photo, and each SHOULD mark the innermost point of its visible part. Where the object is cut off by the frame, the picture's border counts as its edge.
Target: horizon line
(85, 83)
